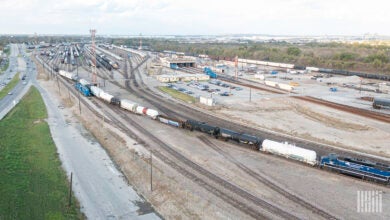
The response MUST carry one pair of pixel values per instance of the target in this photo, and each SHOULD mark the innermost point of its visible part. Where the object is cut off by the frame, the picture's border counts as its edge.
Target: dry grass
(328, 120)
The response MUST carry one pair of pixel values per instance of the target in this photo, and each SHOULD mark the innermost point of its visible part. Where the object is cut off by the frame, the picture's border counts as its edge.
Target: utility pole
(70, 189)
(151, 171)
(36, 41)
(58, 84)
(250, 94)
(140, 41)
(77, 67)
(236, 66)
(93, 54)
(79, 102)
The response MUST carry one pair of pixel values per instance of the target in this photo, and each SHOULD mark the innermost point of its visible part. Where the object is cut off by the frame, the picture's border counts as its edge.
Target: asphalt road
(17, 64)
(101, 189)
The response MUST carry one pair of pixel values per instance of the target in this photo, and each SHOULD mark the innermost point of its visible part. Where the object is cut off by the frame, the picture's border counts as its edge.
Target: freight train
(106, 62)
(345, 165)
(103, 63)
(316, 69)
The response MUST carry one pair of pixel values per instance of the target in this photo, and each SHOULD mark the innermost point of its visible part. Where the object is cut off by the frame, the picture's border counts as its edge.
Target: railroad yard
(254, 144)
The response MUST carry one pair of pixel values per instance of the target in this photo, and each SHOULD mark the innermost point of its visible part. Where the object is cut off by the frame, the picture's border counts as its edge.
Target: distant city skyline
(201, 17)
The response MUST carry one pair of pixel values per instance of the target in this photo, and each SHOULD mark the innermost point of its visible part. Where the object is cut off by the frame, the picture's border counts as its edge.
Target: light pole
(151, 171)
(77, 67)
(250, 94)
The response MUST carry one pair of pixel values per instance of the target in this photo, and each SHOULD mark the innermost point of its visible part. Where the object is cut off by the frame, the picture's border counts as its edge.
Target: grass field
(32, 182)
(178, 95)
(9, 86)
(5, 67)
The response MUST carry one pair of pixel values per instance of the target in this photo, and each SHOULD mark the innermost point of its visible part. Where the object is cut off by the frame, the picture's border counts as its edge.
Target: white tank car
(310, 68)
(96, 91)
(290, 151)
(141, 110)
(106, 97)
(84, 82)
(128, 105)
(152, 113)
(68, 75)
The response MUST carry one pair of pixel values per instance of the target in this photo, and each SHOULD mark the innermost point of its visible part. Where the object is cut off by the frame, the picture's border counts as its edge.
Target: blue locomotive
(83, 89)
(209, 72)
(356, 167)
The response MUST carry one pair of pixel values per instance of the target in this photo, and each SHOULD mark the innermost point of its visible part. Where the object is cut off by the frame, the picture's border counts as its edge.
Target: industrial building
(181, 77)
(178, 62)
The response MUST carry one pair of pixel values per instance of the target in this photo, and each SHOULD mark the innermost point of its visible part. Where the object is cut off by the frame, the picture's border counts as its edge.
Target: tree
(293, 51)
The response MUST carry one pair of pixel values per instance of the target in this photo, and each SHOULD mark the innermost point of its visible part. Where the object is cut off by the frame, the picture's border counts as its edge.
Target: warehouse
(178, 62)
(182, 77)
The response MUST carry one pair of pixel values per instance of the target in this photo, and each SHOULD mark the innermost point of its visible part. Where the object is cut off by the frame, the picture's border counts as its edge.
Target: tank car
(290, 151)
(68, 75)
(202, 127)
(128, 105)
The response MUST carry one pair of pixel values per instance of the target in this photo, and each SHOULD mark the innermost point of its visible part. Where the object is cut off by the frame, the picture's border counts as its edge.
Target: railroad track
(357, 111)
(184, 112)
(261, 178)
(362, 112)
(221, 188)
(216, 179)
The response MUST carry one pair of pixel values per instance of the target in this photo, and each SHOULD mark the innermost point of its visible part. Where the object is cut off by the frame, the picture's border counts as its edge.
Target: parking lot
(221, 92)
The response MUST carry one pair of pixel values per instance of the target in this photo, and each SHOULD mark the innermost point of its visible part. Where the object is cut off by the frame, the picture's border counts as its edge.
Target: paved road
(101, 189)
(17, 64)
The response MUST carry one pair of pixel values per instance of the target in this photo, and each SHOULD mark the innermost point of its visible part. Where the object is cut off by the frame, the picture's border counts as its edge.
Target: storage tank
(290, 151)
(128, 105)
(152, 113)
(96, 91)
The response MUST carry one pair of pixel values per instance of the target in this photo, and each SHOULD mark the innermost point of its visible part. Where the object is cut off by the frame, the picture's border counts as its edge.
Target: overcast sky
(205, 17)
